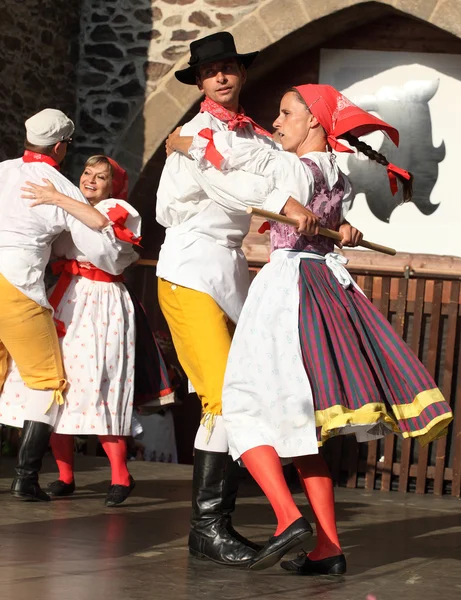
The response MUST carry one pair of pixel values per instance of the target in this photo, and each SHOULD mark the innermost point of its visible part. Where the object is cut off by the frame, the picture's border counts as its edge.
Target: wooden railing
(424, 307)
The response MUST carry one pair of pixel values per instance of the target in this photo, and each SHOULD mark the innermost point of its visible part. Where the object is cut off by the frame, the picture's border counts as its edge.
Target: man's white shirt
(203, 210)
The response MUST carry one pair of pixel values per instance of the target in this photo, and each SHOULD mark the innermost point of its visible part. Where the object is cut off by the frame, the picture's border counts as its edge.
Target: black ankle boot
(35, 441)
(211, 532)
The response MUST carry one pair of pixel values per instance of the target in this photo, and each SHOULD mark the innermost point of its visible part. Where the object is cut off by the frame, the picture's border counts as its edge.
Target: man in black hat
(203, 277)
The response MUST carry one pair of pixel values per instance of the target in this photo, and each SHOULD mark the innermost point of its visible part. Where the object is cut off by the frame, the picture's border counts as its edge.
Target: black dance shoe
(119, 493)
(278, 545)
(28, 490)
(303, 565)
(59, 488)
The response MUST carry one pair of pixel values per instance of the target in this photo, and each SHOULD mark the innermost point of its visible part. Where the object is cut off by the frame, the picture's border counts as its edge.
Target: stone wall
(38, 57)
(127, 46)
(128, 97)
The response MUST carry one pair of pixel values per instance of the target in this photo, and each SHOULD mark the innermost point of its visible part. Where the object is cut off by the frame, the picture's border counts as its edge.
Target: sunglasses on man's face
(68, 141)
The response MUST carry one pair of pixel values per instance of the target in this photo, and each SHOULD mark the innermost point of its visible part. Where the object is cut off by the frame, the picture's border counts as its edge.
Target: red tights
(114, 447)
(264, 465)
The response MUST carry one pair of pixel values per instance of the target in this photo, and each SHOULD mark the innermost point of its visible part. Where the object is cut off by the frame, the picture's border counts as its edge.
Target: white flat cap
(48, 127)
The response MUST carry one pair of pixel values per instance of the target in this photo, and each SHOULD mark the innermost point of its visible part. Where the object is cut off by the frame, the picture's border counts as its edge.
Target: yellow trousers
(201, 334)
(28, 334)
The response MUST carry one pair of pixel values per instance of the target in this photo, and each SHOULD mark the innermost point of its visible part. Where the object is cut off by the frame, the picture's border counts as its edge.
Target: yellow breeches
(28, 334)
(201, 334)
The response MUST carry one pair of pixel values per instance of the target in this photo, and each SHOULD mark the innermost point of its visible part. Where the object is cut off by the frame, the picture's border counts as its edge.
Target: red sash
(68, 269)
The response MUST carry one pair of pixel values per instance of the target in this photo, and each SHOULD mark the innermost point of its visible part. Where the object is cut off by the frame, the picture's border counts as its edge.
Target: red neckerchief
(237, 121)
(30, 157)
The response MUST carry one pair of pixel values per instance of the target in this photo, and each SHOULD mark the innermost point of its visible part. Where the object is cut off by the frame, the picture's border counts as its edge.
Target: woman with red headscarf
(96, 319)
(311, 357)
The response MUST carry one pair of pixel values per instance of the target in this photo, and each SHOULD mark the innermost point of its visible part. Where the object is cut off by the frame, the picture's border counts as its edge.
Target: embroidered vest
(326, 204)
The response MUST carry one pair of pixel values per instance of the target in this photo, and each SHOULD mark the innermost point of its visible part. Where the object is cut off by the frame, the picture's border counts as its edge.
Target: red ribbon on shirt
(237, 121)
(68, 269)
(118, 215)
(29, 157)
(392, 171)
(211, 154)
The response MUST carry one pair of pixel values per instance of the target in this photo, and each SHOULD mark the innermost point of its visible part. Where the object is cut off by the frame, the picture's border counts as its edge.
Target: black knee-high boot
(212, 536)
(234, 475)
(35, 441)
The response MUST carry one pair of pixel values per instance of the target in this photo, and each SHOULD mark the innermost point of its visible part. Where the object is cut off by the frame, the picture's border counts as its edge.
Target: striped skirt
(361, 372)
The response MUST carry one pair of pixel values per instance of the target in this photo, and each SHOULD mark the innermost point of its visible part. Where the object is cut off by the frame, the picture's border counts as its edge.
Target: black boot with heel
(34, 444)
(212, 536)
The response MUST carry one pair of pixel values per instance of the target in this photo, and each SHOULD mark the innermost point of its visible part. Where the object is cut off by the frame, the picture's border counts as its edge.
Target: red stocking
(318, 487)
(63, 452)
(115, 448)
(264, 465)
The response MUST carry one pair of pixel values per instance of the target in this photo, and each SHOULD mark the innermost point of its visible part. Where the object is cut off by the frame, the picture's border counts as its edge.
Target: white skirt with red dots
(98, 351)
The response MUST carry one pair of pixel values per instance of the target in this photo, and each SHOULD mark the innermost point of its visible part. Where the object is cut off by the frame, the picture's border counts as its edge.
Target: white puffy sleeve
(348, 197)
(232, 189)
(110, 249)
(124, 231)
(289, 175)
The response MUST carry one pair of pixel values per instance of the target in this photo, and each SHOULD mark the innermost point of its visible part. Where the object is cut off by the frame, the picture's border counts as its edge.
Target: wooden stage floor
(397, 546)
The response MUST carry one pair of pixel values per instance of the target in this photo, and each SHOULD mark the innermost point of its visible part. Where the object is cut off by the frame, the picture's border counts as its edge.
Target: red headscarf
(338, 115)
(119, 180)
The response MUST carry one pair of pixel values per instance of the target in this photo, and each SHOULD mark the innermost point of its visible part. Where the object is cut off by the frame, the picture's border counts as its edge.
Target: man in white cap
(27, 330)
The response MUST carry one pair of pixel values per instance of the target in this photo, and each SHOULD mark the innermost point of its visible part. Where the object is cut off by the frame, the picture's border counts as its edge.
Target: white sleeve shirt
(291, 175)
(204, 213)
(119, 255)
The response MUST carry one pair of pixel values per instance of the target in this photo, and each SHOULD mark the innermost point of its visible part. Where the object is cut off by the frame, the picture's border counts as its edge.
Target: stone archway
(302, 24)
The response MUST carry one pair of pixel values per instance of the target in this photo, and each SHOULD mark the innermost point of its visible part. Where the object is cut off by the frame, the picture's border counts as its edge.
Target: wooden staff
(329, 233)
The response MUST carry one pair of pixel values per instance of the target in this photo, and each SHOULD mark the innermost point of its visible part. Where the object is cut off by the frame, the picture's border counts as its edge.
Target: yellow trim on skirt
(333, 419)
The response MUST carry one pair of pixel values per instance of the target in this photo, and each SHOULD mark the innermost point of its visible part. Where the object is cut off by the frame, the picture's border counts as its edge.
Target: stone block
(201, 19)
(184, 95)
(173, 20)
(160, 115)
(422, 9)
(174, 53)
(156, 70)
(225, 19)
(250, 35)
(317, 10)
(181, 35)
(447, 16)
(281, 23)
(230, 3)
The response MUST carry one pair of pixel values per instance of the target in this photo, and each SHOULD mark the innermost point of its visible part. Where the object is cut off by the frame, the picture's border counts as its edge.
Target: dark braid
(364, 148)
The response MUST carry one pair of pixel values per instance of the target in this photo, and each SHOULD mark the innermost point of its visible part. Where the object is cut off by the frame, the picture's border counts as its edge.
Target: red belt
(68, 269)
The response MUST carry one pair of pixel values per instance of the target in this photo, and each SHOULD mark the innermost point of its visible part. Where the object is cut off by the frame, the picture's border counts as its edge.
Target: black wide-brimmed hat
(212, 48)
